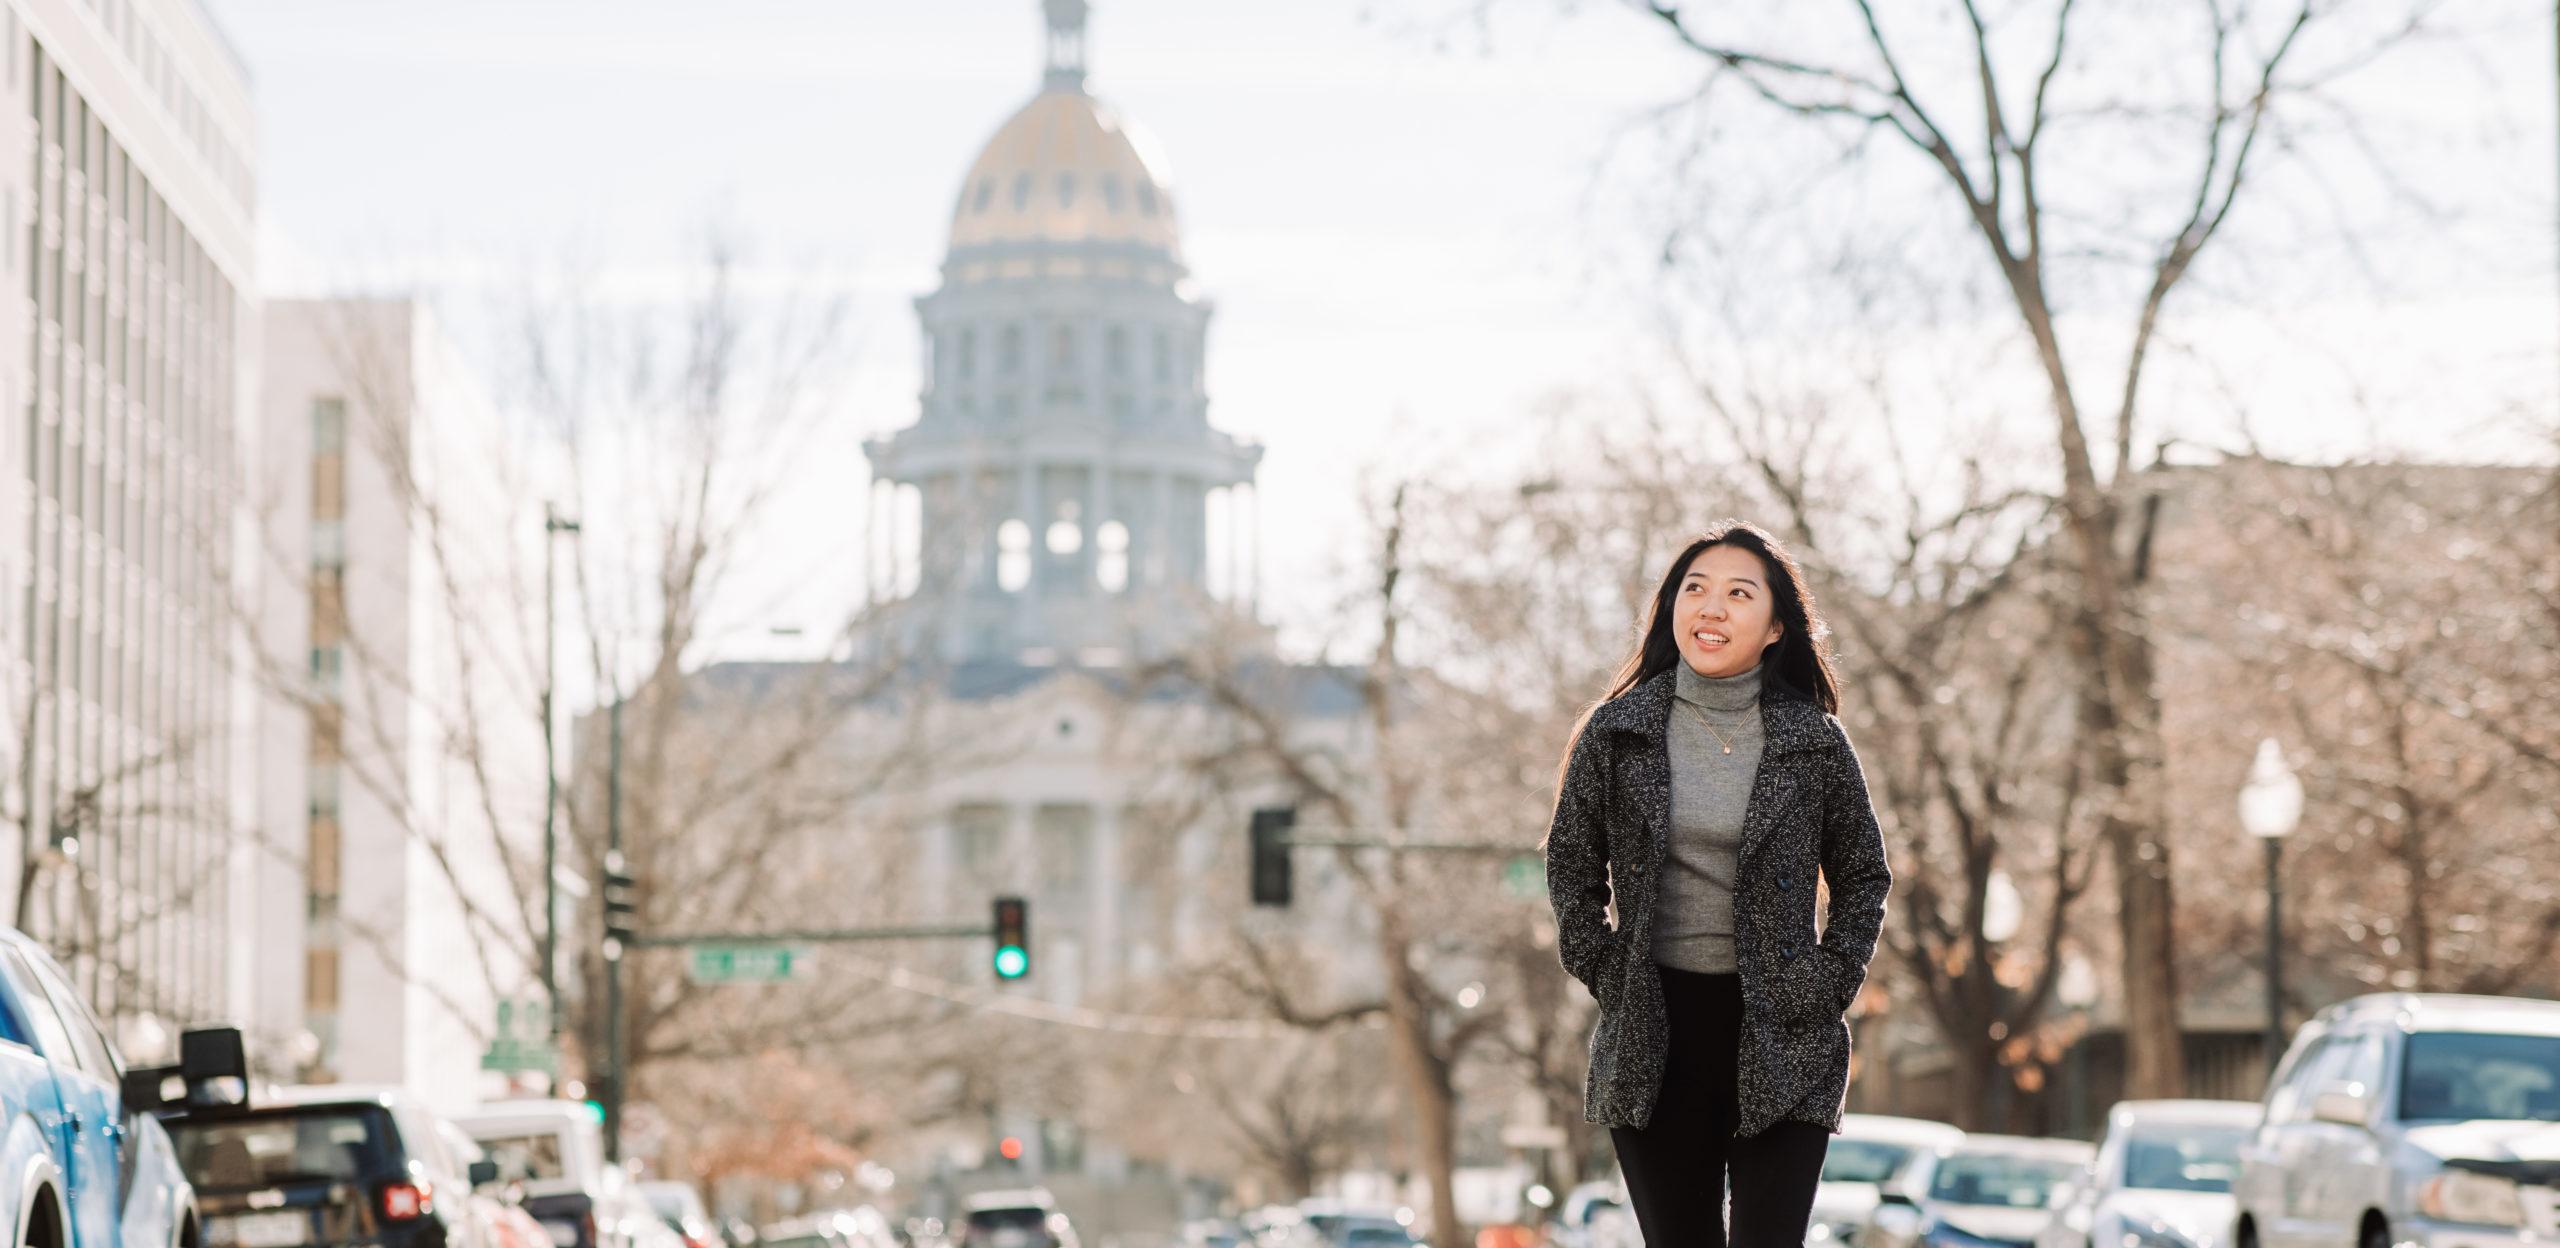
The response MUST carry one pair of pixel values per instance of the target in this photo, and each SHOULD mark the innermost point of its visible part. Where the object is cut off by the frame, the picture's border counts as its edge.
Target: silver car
(2408, 1118)
(1991, 1191)
(1871, 1152)
(2162, 1179)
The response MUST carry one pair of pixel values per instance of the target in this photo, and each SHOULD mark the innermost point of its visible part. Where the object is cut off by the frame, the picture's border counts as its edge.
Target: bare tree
(1998, 107)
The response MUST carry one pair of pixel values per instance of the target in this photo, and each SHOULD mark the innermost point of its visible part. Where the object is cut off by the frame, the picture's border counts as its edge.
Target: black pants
(1677, 1167)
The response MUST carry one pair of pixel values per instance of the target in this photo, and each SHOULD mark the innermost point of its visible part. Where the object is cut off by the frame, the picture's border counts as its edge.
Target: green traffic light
(1012, 962)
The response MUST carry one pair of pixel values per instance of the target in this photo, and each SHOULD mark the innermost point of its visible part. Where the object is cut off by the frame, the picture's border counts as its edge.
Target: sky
(1413, 227)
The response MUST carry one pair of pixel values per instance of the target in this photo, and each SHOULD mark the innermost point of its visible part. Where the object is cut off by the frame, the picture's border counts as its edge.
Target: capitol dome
(1065, 169)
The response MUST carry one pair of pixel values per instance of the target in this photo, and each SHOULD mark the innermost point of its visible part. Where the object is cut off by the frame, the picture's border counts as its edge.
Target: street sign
(1525, 876)
(522, 1040)
(747, 964)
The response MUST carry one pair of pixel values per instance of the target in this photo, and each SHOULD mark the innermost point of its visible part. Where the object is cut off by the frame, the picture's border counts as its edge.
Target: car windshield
(1016, 1219)
(1999, 1179)
(2183, 1159)
(1863, 1161)
(278, 1146)
(2467, 1075)
(532, 1155)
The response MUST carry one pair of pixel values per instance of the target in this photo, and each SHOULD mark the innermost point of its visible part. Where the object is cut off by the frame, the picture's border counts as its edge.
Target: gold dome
(1066, 169)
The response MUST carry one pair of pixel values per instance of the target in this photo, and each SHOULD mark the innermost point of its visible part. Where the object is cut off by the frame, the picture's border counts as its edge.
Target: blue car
(86, 1166)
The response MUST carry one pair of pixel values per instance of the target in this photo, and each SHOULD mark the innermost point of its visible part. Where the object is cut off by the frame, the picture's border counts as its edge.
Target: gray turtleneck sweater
(1710, 790)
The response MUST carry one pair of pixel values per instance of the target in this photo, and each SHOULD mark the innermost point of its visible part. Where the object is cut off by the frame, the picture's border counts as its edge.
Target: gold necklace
(1711, 728)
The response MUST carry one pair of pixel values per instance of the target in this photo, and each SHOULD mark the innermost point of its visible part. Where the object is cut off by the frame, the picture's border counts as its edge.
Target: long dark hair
(1797, 665)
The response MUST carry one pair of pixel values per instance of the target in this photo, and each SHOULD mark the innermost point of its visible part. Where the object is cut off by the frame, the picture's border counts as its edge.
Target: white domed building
(1061, 473)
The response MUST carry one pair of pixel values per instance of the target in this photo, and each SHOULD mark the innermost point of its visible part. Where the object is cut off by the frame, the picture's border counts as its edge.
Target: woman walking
(1700, 800)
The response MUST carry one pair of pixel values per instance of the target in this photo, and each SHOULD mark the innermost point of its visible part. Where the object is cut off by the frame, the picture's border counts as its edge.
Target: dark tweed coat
(1808, 812)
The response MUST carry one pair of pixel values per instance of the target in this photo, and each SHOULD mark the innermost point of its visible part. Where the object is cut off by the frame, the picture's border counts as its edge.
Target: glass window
(2470, 1076)
(1115, 351)
(1065, 835)
(2291, 1097)
(88, 1043)
(964, 362)
(328, 543)
(336, 1143)
(1163, 357)
(2184, 1159)
(978, 835)
(532, 1155)
(986, 194)
(328, 425)
(1863, 1161)
(1999, 1179)
(1111, 191)
(1013, 555)
(1009, 350)
(52, 1038)
(1021, 191)
(1147, 198)
(1066, 190)
(1062, 349)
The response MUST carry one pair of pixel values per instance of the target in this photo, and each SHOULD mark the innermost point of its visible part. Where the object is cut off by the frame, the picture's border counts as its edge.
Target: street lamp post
(552, 527)
(2270, 806)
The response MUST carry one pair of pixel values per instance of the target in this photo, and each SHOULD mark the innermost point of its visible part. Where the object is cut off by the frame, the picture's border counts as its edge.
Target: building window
(965, 365)
(1163, 356)
(1062, 350)
(986, 194)
(1147, 198)
(328, 426)
(324, 792)
(1111, 191)
(1021, 191)
(1115, 351)
(1064, 835)
(1009, 351)
(327, 667)
(1111, 544)
(1013, 556)
(977, 836)
(1066, 190)
(329, 543)
(1065, 536)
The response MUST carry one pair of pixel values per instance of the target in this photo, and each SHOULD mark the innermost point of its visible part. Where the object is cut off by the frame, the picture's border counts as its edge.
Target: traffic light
(1271, 826)
(1013, 938)
(621, 903)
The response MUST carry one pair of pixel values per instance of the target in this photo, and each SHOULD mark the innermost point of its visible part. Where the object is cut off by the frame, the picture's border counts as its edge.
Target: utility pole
(552, 527)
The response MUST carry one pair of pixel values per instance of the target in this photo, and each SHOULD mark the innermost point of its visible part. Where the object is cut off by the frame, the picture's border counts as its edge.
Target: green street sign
(746, 964)
(1525, 876)
(522, 1041)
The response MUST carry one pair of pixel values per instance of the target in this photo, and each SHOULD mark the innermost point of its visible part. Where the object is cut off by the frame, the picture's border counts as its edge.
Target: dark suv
(327, 1168)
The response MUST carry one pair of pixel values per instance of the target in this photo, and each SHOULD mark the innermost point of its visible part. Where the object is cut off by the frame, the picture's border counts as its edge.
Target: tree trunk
(1426, 1078)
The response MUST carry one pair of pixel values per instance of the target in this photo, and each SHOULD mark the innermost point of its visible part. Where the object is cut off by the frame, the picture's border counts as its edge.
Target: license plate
(262, 1230)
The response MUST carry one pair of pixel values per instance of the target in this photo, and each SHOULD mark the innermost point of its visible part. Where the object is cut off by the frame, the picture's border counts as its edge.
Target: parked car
(329, 1165)
(1990, 1191)
(1023, 1218)
(1332, 1224)
(2408, 1118)
(88, 1163)
(1870, 1152)
(2161, 1164)
(681, 1207)
(554, 1150)
(1595, 1215)
(1214, 1233)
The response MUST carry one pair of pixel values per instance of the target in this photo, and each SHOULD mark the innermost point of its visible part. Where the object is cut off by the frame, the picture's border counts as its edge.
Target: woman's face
(1722, 615)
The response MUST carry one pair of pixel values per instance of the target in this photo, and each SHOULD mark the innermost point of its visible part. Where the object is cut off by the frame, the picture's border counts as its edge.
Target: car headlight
(2470, 1196)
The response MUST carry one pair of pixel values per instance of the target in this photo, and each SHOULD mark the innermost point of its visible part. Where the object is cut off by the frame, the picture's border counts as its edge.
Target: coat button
(1791, 953)
(1782, 883)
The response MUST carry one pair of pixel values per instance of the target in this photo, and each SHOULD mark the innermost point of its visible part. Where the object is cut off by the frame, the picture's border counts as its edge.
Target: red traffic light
(1010, 1148)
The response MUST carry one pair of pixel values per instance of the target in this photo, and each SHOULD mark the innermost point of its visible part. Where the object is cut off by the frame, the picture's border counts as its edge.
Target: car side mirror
(212, 1053)
(2344, 1104)
(146, 1089)
(482, 1173)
